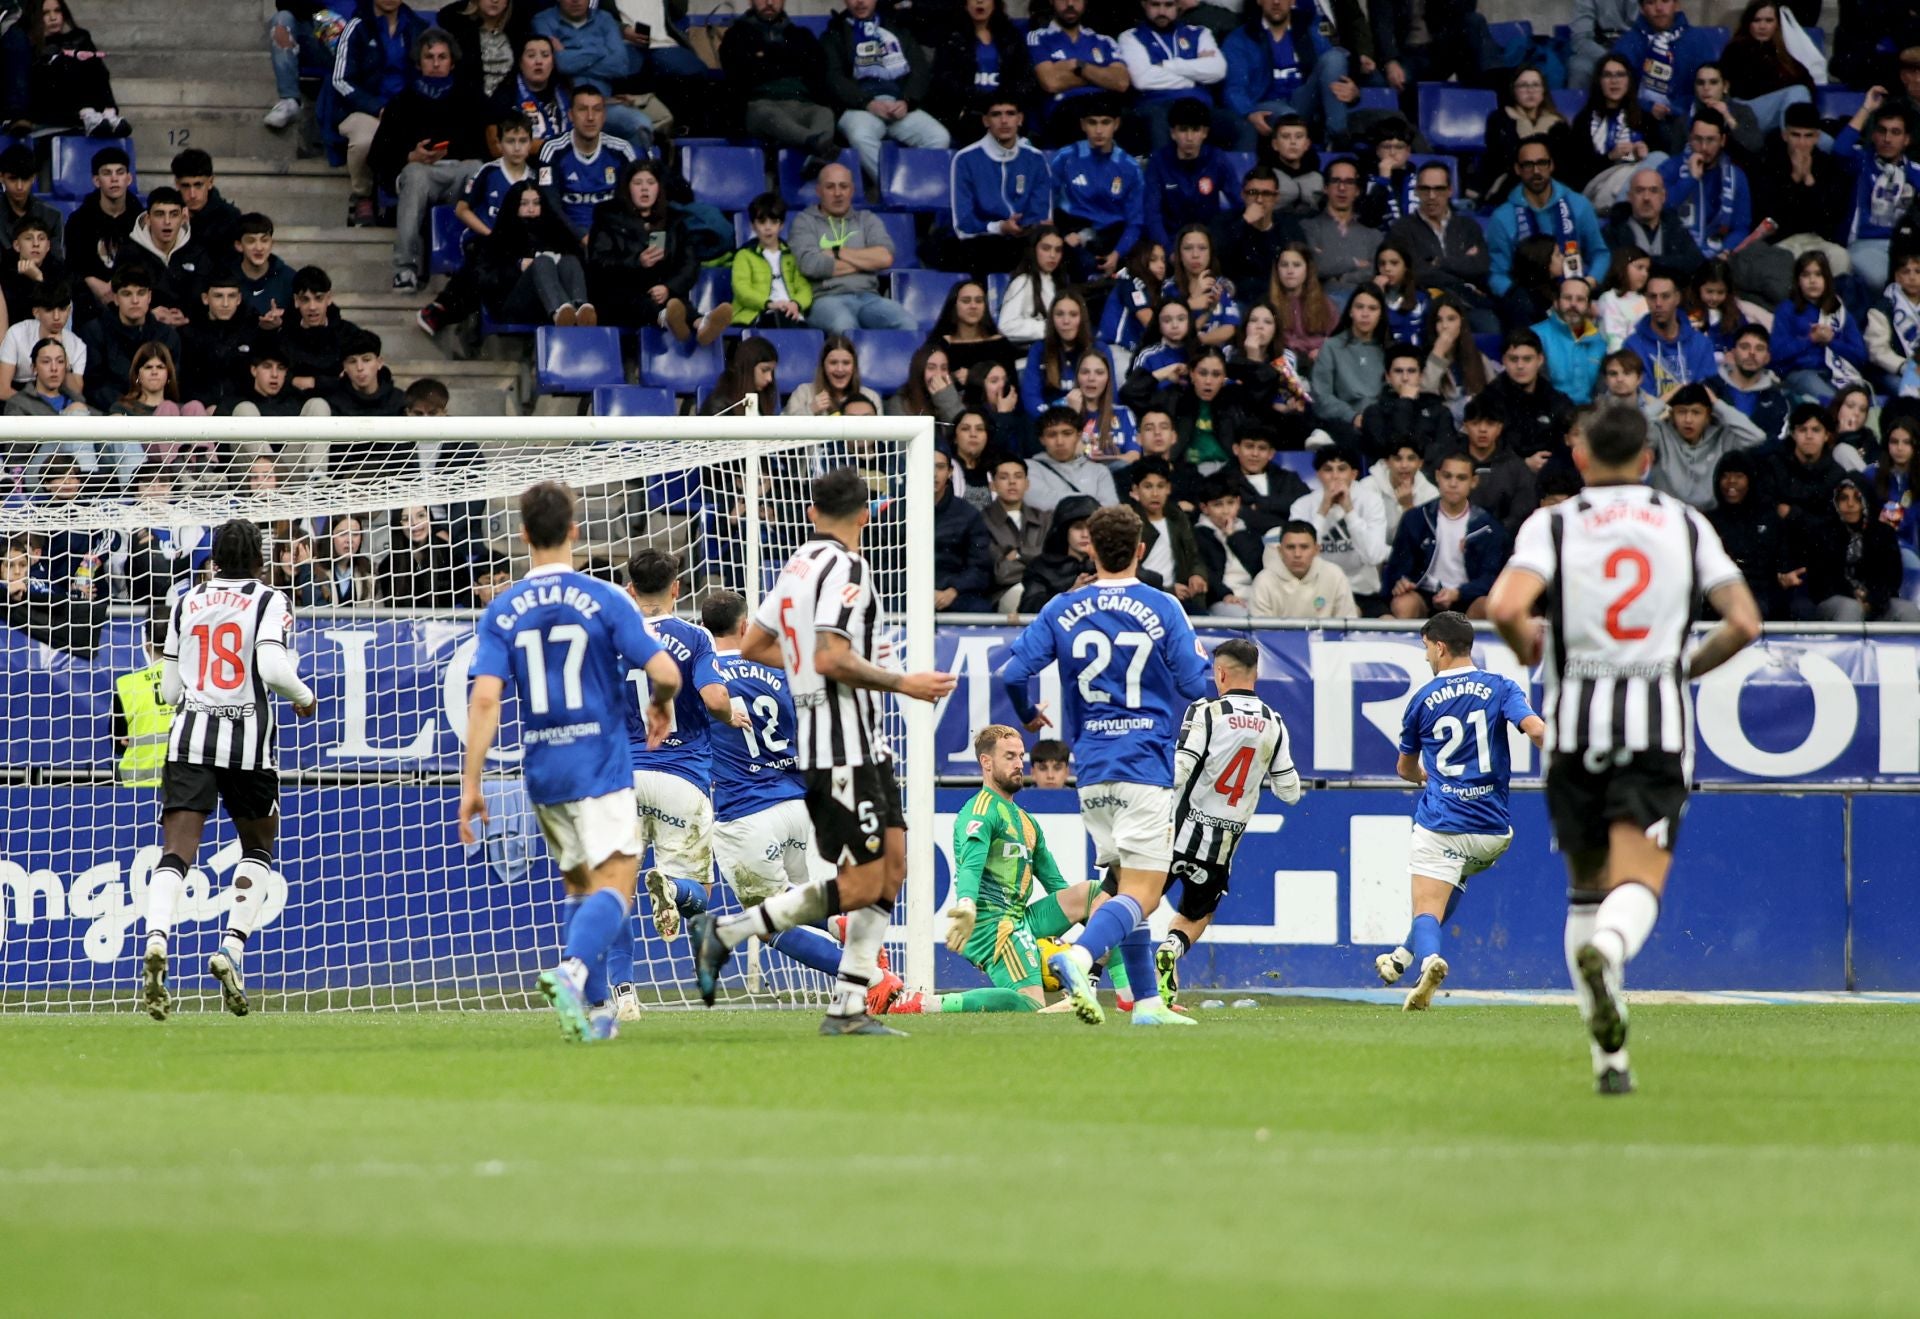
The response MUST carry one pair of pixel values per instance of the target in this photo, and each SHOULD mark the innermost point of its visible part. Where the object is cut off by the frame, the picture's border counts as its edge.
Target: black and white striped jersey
(224, 716)
(826, 587)
(1230, 746)
(1625, 567)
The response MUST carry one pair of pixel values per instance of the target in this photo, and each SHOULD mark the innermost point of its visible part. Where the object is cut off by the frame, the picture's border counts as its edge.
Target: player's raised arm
(834, 659)
(639, 649)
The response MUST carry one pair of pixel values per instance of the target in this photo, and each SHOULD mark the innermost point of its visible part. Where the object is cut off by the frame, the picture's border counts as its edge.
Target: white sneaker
(1391, 966)
(626, 1003)
(1433, 974)
(284, 112)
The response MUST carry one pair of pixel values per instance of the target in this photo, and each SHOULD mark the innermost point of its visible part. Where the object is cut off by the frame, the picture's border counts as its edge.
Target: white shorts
(1131, 824)
(1454, 858)
(764, 853)
(587, 832)
(677, 818)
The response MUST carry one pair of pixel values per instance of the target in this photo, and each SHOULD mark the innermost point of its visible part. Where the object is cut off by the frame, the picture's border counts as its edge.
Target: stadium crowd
(1202, 261)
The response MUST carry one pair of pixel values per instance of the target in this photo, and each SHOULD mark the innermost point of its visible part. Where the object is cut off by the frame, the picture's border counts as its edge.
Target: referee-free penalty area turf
(1299, 1158)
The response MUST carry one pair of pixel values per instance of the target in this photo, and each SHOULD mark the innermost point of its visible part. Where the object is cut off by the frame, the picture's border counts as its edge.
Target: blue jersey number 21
(1455, 733)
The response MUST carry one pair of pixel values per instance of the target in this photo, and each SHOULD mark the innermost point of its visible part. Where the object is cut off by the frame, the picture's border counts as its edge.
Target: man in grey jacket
(1018, 533)
(842, 251)
(1449, 250)
(1343, 248)
(1690, 440)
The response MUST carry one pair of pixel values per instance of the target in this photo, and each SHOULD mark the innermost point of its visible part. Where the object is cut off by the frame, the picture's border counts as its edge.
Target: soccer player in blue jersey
(566, 641)
(761, 830)
(1129, 667)
(1454, 746)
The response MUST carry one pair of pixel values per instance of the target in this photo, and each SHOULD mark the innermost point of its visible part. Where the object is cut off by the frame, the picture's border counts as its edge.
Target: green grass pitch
(1303, 1158)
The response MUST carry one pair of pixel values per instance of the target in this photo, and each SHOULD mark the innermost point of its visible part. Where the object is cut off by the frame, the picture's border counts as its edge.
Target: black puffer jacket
(1057, 568)
(622, 288)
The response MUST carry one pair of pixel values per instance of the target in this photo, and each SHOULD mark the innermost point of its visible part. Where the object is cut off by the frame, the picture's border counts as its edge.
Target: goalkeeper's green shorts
(1004, 948)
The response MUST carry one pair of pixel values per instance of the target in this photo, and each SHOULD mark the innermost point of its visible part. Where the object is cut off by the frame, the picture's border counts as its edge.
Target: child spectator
(1711, 306)
(1188, 181)
(752, 373)
(1447, 553)
(268, 393)
(1294, 582)
(1893, 329)
(1304, 313)
(1067, 561)
(1503, 484)
(1621, 372)
(313, 341)
(70, 85)
(478, 209)
(1350, 520)
(18, 174)
(1196, 280)
(962, 550)
(1404, 413)
(418, 571)
(1454, 368)
(1001, 187)
(1051, 766)
(1893, 487)
(526, 269)
(1689, 443)
(1296, 165)
(492, 573)
(1267, 493)
(1848, 563)
(1538, 416)
(1816, 344)
(929, 391)
(966, 327)
(1018, 533)
(1048, 375)
(1033, 286)
(153, 388)
(266, 281)
(1348, 372)
(101, 225)
(46, 391)
(1400, 484)
(1062, 470)
(1230, 554)
(1097, 193)
(365, 388)
(1408, 305)
(112, 339)
(769, 292)
(174, 259)
(51, 305)
(215, 221)
(1173, 555)
(343, 572)
(1749, 529)
(1800, 477)
(1108, 430)
(30, 263)
(218, 342)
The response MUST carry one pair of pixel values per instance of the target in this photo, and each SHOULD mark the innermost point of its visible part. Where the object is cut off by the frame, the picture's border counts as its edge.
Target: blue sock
(1452, 903)
(1136, 954)
(809, 948)
(595, 926)
(689, 898)
(620, 954)
(1108, 926)
(569, 907)
(597, 988)
(1425, 939)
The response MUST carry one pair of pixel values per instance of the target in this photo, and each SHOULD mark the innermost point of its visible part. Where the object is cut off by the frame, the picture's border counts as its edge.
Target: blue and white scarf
(1693, 214)
(1906, 321)
(1839, 369)
(1525, 226)
(877, 54)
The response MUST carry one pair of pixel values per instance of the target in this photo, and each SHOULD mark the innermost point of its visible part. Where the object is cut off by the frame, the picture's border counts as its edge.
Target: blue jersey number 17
(574, 637)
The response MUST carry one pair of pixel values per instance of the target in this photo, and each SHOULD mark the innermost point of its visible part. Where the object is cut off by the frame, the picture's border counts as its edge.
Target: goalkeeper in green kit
(999, 853)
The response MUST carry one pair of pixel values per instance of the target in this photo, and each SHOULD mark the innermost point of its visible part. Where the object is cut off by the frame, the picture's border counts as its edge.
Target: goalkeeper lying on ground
(998, 853)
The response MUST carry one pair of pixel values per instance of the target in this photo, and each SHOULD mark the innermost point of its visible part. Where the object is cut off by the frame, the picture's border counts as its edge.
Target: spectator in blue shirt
(1171, 62)
(1666, 51)
(1189, 181)
(372, 64)
(1885, 184)
(1282, 64)
(1069, 62)
(590, 45)
(1001, 188)
(1707, 189)
(1097, 192)
(1541, 206)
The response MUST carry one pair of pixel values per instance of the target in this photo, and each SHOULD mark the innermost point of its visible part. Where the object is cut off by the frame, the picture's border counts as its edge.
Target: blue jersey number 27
(1094, 646)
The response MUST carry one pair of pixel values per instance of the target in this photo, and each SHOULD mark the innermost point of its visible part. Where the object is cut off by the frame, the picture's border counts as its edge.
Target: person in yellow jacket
(141, 720)
(768, 289)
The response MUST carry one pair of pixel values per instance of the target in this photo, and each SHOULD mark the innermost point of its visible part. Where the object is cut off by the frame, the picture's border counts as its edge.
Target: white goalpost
(388, 533)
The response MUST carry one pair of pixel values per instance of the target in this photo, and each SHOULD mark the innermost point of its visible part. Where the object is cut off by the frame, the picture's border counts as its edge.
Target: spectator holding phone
(431, 140)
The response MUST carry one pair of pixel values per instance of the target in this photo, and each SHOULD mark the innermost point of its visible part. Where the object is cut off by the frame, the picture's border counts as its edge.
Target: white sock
(860, 959)
(1151, 1003)
(90, 119)
(1580, 919)
(163, 895)
(1174, 946)
(249, 896)
(802, 905)
(1624, 921)
(575, 970)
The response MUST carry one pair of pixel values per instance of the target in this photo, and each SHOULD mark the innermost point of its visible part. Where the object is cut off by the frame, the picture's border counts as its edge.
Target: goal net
(389, 535)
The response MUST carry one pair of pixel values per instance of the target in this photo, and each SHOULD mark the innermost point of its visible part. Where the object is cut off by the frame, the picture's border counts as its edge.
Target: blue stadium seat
(923, 293)
(814, 23)
(445, 253)
(743, 228)
(66, 206)
(72, 174)
(632, 401)
(1570, 100)
(1300, 463)
(669, 364)
(1818, 36)
(798, 189)
(577, 359)
(997, 292)
(1242, 161)
(1454, 119)
(1837, 102)
(915, 178)
(1384, 99)
(488, 326)
(906, 242)
(799, 355)
(1717, 35)
(885, 357)
(1489, 345)
(727, 177)
(713, 286)
(1510, 34)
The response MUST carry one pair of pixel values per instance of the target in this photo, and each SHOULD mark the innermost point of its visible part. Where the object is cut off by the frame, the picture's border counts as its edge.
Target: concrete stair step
(336, 235)
(200, 30)
(287, 170)
(482, 402)
(161, 130)
(241, 91)
(102, 16)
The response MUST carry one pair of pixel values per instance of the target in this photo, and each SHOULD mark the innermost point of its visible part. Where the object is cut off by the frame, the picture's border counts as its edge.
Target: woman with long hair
(1036, 283)
(153, 386)
(1048, 374)
(1270, 376)
(1408, 305)
(966, 327)
(1817, 346)
(526, 268)
(971, 447)
(835, 380)
(1352, 366)
(1135, 298)
(1305, 313)
(754, 371)
(1454, 367)
(343, 572)
(1526, 111)
(1610, 138)
(69, 85)
(994, 393)
(1854, 443)
(1711, 307)
(1760, 69)
(1196, 280)
(639, 266)
(1538, 266)
(1894, 484)
(929, 391)
(976, 50)
(1108, 431)
(1623, 304)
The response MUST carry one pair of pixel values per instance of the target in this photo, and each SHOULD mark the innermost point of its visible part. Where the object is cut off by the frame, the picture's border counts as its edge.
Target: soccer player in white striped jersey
(1621, 568)
(226, 650)
(1230, 745)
